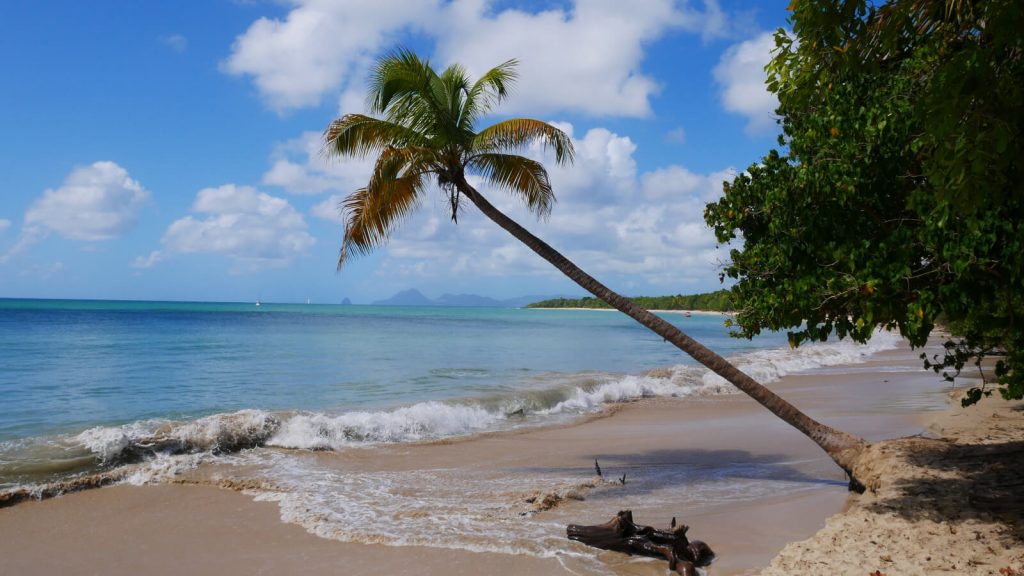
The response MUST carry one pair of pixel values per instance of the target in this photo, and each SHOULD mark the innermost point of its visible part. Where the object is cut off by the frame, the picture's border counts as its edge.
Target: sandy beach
(206, 521)
(947, 504)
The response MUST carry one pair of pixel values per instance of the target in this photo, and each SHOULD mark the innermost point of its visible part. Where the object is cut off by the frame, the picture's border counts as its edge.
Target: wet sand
(200, 528)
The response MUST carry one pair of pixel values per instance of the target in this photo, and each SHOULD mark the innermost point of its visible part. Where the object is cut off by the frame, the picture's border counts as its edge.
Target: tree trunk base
(621, 534)
(847, 460)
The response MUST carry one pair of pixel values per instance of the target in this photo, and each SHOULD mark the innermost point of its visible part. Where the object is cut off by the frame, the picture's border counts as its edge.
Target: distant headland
(717, 301)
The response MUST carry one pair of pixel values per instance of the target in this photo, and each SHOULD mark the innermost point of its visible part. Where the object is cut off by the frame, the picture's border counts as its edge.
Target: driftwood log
(621, 534)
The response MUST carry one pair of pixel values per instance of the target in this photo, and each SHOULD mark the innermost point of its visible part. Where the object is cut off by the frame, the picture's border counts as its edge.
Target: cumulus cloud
(677, 181)
(254, 229)
(96, 202)
(329, 209)
(566, 59)
(320, 43)
(742, 78)
(4, 225)
(629, 228)
(300, 167)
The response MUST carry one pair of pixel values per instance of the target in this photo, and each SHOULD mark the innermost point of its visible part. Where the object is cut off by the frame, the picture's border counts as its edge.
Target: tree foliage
(426, 138)
(717, 301)
(895, 199)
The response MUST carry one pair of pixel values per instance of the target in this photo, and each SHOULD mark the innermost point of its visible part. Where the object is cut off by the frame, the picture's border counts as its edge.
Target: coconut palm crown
(427, 135)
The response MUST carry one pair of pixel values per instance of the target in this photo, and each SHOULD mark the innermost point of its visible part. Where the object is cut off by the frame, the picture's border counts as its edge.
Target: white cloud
(604, 168)
(740, 72)
(568, 60)
(254, 229)
(318, 45)
(586, 58)
(628, 229)
(147, 261)
(677, 181)
(96, 202)
(4, 225)
(329, 209)
(300, 167)
(175, 42)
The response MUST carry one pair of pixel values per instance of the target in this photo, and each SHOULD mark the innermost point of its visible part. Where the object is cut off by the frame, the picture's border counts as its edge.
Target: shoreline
(643, 438)
(697, 312)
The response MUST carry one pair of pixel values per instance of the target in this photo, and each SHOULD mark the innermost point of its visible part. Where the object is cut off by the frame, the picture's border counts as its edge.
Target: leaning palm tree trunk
(843, 448)
(429, 132)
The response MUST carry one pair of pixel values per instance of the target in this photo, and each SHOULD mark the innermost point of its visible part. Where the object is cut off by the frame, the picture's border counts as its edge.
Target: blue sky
(169, 150)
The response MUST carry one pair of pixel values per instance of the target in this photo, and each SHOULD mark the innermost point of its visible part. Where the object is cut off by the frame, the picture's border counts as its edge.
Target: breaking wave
(558, 398)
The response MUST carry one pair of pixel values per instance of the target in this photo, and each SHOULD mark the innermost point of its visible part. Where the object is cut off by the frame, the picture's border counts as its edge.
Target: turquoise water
(71, 365)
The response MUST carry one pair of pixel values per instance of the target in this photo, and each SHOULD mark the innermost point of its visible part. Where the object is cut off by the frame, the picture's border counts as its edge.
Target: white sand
(945, 505)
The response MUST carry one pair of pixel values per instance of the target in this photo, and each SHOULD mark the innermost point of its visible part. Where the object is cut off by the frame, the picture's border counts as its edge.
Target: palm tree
(427, 134)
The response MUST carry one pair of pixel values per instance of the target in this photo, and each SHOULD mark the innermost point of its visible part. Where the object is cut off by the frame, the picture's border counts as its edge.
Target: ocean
(260, 395)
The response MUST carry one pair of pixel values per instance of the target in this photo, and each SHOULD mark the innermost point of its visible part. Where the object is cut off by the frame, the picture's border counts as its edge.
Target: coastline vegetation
(717, 301)
(894, 199)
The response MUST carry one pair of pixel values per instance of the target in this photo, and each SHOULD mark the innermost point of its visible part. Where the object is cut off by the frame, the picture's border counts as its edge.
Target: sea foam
(217, 433)
(767, 366)
(562, 396)
(423, 421)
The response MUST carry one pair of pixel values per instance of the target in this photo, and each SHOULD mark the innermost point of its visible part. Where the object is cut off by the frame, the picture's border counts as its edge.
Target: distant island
(717, 301)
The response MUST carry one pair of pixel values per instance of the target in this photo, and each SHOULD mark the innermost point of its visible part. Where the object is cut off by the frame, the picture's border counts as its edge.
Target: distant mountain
(346, 302)
(413, 297)
(465, 300)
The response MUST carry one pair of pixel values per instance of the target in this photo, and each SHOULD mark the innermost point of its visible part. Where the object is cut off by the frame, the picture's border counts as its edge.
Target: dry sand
(944, 505)
(201, 529)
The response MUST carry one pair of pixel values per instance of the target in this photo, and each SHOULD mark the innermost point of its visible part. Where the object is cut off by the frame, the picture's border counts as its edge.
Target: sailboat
(258, 303)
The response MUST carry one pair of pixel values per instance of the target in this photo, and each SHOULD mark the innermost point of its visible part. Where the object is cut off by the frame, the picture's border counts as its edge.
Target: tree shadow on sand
(660, 469)
(955, 483)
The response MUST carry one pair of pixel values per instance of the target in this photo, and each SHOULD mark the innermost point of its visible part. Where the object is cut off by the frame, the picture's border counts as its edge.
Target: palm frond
(421, 125)
(488, 91)
(453, 85)
(397, 74)
(391, 195)
(513, 135)
(359, 135)
(407, 91)
(523, 177)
